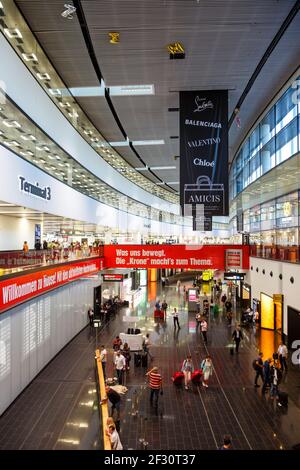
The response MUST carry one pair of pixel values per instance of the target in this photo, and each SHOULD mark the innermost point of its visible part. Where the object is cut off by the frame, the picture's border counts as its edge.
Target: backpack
(254, 365)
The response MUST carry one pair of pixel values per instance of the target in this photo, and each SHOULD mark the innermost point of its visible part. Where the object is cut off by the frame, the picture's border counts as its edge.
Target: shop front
(271, 311)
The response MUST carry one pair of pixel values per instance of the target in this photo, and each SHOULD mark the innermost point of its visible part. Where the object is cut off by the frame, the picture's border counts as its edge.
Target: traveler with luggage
(146, 346)
(258, 366)
(187, 368)
(155, 385)
(237, 336)
(207, 369)
(283, 354)
(275, 375)
(267, 374)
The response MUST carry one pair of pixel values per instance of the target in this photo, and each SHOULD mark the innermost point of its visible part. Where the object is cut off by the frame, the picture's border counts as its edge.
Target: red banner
(172, 256)
(18, 289)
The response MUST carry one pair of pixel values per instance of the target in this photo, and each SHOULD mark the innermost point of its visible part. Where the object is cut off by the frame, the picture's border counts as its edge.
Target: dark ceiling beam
(264, 59)
(92, 54)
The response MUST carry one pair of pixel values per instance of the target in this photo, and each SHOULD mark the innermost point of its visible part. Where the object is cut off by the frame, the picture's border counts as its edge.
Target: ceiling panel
(224, 42)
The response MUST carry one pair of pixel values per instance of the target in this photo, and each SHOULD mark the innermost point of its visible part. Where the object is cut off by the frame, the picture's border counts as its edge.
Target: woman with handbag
(187, 369)
(207, 369)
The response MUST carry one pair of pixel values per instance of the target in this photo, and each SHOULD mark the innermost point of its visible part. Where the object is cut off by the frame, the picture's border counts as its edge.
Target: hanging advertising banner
(204, 150)
(20, 288)
(173, 256)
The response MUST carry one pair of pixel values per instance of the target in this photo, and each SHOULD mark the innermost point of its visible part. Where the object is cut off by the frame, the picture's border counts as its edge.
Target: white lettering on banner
(49, 281)
(14, 292)
(204, 198)
(199, 262)
(138, 261)
(203, 142)
(122, 253)
(200, 162)
(192, 122)
(153, 253)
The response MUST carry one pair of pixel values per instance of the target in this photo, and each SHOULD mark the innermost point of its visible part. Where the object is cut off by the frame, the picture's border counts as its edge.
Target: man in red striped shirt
(155, 385)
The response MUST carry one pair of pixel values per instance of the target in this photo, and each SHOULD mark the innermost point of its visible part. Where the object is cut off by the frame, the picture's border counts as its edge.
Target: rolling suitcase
(178, 378)
(137, 331)
(144, 360)
(196, 376)
(137, 359)
(283, 398)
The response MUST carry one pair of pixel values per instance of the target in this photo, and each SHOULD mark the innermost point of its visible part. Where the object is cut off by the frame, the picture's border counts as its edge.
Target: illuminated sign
(113, 277)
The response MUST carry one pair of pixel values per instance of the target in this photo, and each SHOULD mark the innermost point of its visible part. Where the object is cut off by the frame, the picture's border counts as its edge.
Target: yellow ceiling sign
(114, 37)
(176, 48)
(287, 209)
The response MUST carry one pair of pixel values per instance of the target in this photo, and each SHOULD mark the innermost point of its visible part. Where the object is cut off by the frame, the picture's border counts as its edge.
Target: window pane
(286, 142)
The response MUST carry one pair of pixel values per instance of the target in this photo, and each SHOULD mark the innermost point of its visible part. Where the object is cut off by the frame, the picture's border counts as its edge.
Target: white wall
(273, 285)
(66, 201)
(33, 333)
(14, 231)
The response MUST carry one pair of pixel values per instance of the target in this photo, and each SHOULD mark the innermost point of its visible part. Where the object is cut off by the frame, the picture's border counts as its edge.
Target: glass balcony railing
(276, 252)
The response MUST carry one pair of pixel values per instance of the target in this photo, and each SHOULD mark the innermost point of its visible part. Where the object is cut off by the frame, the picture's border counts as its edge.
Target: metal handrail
(102, 395)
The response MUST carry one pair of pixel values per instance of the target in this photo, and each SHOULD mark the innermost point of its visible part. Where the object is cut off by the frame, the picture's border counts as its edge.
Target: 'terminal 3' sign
(34, 189)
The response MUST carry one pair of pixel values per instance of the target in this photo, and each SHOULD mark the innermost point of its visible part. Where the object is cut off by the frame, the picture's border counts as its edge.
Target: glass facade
(274, 228)
(273, 140)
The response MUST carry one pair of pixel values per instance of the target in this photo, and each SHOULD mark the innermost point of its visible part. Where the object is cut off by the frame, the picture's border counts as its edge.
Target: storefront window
(287, 211)
(268, 215)
(255, 219)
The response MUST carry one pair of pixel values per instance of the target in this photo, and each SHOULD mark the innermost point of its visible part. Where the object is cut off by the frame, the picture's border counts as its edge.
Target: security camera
(68, 12)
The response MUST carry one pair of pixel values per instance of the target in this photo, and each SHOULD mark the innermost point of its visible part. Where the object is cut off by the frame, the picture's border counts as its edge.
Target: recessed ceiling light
(12, 33)
(46, 148)
(64, 105)
(43, 76)
(58, 158)
(9, 123)
(55, 91)
(50, 157)
(29, 57)
(28, 137)
(13, 143)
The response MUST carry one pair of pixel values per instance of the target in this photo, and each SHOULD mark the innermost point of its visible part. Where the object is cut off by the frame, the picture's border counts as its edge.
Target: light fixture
(55, 91)
(13, 143)
(64, 105)
(9, 123)
(30, 57)
(114, 37)
(143, 168)
(131, 90)
(43, 76)
(69, 11)
(12, 33)
(163, 167)
(28, 137)
(46, 148)
(161, 184)
(148, 142)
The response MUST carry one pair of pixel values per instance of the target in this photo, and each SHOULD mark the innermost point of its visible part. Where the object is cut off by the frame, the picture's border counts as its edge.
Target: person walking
(175, 318)
(237, 336)
(226, 443)
(114, 437)
(117, 342)
(275, 375)
(164, 307)
(146, 346)
(228, 306)
(127, 355)
(91, 316)
(283, 354)
(207, 369)
(267, 374)
(198, 321)
(103, 357)
(187, 368)
(120, 365)
(178, 286)
(258, 367)
(155, 385)
(25, 248)
(204, 326)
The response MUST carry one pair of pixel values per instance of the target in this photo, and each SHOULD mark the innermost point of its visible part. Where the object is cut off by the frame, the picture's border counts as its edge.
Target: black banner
(204, 150)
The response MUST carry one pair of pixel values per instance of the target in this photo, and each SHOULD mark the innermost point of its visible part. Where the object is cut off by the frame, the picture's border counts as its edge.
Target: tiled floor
(57, 410)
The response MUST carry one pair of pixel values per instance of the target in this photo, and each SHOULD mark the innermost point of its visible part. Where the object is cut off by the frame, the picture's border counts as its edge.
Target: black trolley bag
(283, 398)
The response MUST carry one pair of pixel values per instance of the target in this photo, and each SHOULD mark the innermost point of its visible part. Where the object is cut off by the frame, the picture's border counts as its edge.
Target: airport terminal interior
(150, 225)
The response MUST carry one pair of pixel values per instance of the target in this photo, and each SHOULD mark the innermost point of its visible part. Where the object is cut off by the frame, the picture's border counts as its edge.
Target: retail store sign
(113, 277)
(234, 258)
(34, 189)
(18, 289)
(171, 256)
(234, 276)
